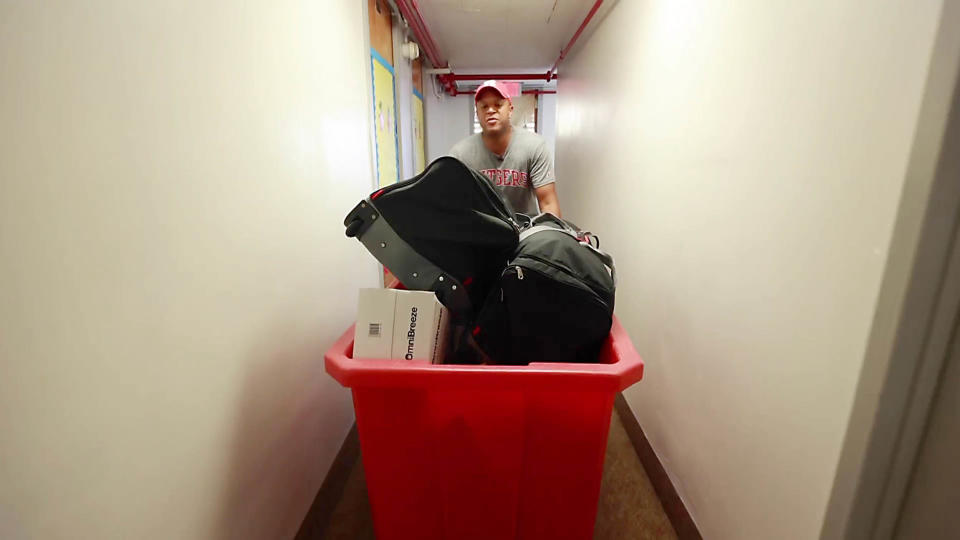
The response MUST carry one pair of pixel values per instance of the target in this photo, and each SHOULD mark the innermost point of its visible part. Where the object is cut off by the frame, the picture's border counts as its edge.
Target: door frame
(918, 302)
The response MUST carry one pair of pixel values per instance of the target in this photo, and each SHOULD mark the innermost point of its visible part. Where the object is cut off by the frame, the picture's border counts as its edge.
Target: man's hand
(547, 196)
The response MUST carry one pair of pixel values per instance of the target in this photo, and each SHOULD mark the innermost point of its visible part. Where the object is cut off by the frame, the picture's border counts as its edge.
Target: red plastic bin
(484, 452)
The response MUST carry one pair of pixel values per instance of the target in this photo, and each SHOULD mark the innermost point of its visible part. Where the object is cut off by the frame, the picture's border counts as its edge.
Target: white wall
(403, 86)
(548, 121)
(172, 262)
(743, 162)
(448, 119)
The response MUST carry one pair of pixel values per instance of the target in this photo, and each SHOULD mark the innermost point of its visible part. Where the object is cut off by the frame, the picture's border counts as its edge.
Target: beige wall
(548, 121)
(448, 119)
(743, 162)
(172, 262)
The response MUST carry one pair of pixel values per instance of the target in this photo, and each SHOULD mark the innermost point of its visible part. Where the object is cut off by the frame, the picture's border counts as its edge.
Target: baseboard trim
(673, 505)
(318, 517)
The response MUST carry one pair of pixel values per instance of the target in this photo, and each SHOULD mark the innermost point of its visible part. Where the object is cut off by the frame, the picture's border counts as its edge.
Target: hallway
(776, 181)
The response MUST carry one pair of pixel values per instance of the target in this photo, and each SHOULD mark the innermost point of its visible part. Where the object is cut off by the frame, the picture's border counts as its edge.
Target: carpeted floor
(629, 508)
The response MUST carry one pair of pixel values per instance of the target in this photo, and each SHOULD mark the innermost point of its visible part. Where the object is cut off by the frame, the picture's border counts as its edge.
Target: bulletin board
(419, 131)
(385, 120)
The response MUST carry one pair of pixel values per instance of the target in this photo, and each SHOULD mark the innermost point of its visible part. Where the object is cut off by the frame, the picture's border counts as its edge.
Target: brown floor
(629, 508)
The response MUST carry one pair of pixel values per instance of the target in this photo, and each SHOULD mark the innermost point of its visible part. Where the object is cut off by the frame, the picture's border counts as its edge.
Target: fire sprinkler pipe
(573, 40)
(539, 92)
(411, 12)
(449, 84)
(525, 92)
(500, 76)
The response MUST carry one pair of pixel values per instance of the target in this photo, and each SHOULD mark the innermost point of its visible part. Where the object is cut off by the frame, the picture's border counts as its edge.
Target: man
(516, 161)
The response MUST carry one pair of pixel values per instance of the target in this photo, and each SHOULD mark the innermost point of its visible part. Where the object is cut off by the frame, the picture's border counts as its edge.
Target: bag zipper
(594, 296)
(563, 270)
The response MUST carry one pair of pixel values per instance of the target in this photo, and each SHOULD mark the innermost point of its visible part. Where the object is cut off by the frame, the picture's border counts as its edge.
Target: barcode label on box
(375, 329)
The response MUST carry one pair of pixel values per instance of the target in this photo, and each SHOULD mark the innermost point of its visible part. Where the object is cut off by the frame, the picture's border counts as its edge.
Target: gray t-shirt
(527, 164)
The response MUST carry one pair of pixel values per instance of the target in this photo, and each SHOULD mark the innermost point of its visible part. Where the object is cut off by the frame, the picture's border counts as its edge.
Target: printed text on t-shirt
(506, 177)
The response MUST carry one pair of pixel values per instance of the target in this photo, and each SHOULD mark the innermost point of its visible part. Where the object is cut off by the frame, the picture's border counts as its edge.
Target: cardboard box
(411, 325)
(373, 337)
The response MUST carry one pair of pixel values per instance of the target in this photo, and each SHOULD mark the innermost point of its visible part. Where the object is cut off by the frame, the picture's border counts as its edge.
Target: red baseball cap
(499, 86)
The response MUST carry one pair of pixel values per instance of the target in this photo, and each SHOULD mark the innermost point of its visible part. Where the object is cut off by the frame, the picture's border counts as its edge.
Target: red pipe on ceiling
(539, 92)
(411, 12)
(529, 92)
(448, 83)
(500, 76)
(563, 53)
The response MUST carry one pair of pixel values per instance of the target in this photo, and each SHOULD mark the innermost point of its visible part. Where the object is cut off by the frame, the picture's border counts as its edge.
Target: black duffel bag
(554, 300)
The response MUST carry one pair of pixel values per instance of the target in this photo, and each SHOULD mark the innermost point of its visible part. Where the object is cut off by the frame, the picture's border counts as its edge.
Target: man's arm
(543, 181)
(547, 196)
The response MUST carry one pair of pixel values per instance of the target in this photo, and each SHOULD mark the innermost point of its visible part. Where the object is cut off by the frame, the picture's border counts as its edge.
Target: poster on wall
(385, 120)
(419, 131)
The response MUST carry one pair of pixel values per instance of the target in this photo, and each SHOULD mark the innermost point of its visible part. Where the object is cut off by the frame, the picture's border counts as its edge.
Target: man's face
(493, 111)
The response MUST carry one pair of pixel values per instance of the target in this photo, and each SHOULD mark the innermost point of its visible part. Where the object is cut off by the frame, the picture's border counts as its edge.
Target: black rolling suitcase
(554, 300)
(445, 230)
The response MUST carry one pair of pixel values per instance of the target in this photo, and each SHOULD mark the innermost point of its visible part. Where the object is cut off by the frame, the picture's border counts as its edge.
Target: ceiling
(502, 35)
